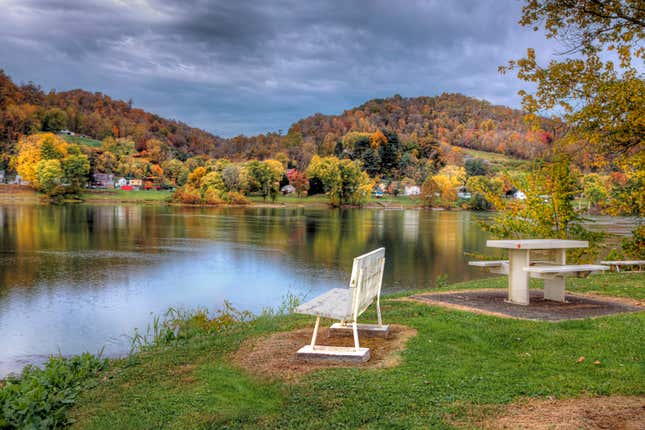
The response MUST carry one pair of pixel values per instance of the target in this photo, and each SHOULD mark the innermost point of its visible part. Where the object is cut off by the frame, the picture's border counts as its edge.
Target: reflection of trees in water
(100, 240)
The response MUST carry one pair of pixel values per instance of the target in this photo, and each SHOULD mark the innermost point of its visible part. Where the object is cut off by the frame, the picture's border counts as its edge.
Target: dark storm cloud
(249, 66)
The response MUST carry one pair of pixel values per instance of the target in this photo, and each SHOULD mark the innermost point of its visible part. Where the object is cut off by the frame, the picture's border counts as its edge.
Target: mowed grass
(321, 200)
(457, 363)
(123, 196)
(78, 140)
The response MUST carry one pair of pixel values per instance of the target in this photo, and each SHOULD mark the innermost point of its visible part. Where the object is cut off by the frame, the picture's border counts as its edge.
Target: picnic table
(520, 268)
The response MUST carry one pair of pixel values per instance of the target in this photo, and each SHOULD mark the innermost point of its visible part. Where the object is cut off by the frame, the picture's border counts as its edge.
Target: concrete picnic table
(519, 265)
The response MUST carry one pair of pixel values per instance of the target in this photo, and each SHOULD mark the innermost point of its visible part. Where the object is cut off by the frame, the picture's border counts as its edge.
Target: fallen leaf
(581, 359)
(597, 362)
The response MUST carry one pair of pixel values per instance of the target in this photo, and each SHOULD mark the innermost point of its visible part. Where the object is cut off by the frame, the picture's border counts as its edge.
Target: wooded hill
(448, 120)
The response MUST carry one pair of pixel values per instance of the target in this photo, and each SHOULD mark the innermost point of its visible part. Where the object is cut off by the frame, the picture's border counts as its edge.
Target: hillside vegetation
(447, 119)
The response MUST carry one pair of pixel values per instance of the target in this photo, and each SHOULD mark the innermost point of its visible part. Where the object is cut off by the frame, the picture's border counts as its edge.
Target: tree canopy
(598, 82)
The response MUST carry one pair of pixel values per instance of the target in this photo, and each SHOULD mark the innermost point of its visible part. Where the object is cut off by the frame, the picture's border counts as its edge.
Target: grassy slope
(500, 161)
(458, 362)
(78, 140)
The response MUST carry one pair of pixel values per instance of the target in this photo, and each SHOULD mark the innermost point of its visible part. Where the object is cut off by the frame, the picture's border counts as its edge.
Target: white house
(120, 182)
(519, 195)
(412, 190)
(288, 189)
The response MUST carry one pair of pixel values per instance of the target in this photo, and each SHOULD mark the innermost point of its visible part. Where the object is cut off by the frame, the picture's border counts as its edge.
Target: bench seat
(564, 270)
(335, 304)
(492, 263)
(624, 263)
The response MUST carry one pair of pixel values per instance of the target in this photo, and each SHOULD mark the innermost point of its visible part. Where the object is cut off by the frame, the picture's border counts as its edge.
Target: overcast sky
(237, 66)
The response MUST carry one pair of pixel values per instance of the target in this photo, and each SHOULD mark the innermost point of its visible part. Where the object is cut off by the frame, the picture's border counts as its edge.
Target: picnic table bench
(616, 264)
(346, 305)
(519, 267)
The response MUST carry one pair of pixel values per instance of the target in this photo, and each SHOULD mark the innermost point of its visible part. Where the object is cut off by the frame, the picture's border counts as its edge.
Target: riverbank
(24, 194)
(460, 369)
(317, 201)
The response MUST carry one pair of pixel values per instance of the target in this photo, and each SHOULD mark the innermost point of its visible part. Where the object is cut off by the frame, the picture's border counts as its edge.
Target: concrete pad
(364, 330)
(344, 354)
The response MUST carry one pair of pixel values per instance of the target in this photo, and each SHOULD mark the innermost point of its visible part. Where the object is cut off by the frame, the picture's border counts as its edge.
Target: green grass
(458, 362)
(319, 200)
(78, 140)
(122, 196)
(498, 161)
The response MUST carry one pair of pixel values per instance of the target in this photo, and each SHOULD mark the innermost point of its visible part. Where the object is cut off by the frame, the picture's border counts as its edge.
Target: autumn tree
(343, 180)
(299, 181)
(76, 168)
(441, 189)
(547, 211)
(597, 83)
(30, 153)
(175, 172)
(265, 177)
(48, 175)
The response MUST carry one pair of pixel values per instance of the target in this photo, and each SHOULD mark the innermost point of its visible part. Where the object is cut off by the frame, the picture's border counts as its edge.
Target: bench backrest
(367, 275)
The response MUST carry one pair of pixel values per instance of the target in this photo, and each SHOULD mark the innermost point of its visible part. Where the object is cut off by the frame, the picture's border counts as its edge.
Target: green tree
(264, 176)
(343, 180)
(547, 211)
(54, 120)
(476, 167)
(49, 175)
(76, 168)
(594, 190)
(175, 172)
(390, 154)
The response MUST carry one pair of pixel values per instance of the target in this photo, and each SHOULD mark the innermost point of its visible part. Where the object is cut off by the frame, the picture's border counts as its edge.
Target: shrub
(236, 198)
(213, 196)
(40, 398)
(188, 195)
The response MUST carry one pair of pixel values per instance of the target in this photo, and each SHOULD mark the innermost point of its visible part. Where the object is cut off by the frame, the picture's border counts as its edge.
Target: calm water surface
(79, 278)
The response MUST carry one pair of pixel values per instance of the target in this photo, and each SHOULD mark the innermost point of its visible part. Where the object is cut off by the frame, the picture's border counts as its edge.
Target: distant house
(1, 176)
(288, 189)
(412, 190)
(135, 183)
(464, 194)
(103, 180)
(18, 181)
(120, 182)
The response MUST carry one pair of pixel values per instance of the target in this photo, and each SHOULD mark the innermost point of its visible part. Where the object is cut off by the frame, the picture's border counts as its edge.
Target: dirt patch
(274, 356)
(593, 413)
(492, 302)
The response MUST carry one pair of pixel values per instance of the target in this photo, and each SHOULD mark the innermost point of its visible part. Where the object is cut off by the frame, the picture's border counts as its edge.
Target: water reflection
(76, 278)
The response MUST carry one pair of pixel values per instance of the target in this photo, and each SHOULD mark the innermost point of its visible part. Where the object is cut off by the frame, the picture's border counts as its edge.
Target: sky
(249, 67)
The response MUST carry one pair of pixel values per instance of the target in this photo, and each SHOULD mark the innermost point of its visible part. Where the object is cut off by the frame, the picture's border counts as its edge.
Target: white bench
(629, 263)
(347, 304)
(493, 266)
(554, 276)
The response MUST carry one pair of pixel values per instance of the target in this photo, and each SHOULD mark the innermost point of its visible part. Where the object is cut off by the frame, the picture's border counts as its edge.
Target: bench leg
(355, 330)
(378, 310)
(313, 337)
(554, 289)
(518, 279)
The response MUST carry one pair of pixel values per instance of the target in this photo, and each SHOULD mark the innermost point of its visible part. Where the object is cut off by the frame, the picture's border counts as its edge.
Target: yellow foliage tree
(30, 153)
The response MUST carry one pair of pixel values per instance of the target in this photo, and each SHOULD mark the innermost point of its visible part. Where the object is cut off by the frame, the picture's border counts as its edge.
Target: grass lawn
(320, 200)
(122, 196)
(459, 363)
(78, 140)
